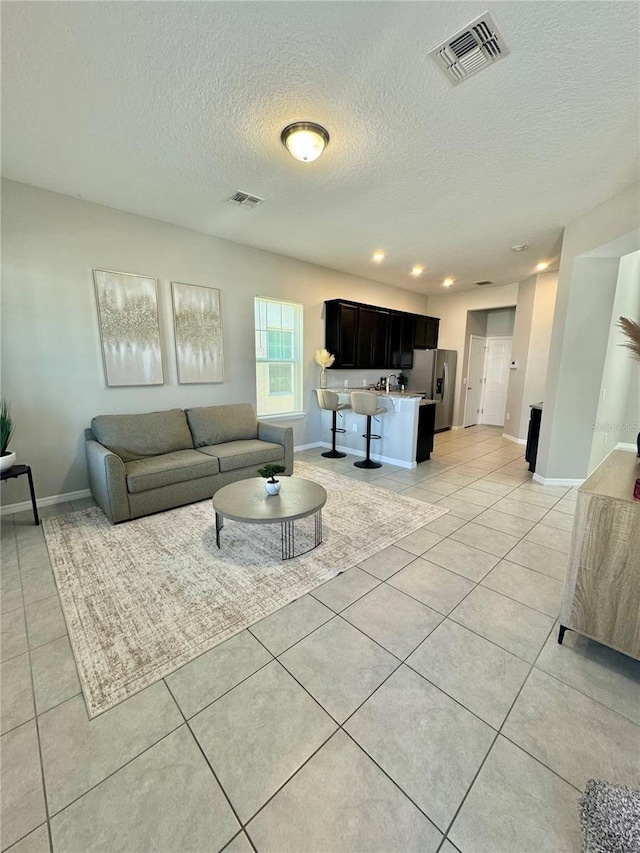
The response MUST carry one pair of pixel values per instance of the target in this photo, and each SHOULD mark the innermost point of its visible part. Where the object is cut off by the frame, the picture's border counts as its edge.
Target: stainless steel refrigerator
(434, 374)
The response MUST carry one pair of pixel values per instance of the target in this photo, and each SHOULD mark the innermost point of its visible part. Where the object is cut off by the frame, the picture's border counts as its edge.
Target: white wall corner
(552, 481)
(514, 439)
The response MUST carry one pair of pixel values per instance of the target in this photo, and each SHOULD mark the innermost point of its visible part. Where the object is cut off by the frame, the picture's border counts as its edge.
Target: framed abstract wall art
(198, 329)
(129, 328)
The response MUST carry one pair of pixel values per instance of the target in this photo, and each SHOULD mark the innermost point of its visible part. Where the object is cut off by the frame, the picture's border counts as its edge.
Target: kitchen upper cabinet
(400, 339)
(367, 336)
(373, 325)
(341, 327)
(426, 336)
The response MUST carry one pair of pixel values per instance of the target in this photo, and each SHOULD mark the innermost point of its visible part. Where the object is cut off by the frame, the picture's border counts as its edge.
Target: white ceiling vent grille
(470, 50)
(246, 200)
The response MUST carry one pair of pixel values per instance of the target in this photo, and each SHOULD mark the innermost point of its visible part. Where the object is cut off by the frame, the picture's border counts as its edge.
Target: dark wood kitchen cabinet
(373, 325)
(426, 336)
(369, 336)
(401, 337)
(341, 327)
(426, 428)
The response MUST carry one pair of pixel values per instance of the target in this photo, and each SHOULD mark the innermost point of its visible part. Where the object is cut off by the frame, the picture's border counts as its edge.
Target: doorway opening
(487, 362)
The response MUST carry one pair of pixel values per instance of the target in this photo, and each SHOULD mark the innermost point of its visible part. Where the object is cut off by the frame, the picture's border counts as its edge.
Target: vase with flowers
(325, 360)
(631, 331)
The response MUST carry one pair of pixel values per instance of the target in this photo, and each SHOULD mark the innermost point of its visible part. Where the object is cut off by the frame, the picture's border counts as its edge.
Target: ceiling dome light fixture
(519, 248)
(378, 257)
(417, 270)
(305, 140)
(447, 282)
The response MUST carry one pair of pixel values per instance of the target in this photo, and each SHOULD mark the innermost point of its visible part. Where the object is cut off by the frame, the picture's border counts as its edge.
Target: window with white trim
(278, 328)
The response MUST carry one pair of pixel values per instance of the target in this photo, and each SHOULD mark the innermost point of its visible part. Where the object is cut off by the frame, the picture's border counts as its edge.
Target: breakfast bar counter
(398, 427)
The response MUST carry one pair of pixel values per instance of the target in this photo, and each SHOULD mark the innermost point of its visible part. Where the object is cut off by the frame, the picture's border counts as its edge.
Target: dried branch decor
(631, 330)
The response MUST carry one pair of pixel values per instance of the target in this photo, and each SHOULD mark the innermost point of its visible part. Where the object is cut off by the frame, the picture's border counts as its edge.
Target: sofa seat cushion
(242, 454)
(137, 436)
(220, 424)
(170, 468)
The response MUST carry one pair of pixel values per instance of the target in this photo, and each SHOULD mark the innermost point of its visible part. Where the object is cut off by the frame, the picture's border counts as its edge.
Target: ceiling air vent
(246, 200)
(470, 50)
(482, 283)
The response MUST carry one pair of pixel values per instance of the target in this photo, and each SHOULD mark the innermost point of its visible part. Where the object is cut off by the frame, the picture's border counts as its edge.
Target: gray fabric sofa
(139, 464)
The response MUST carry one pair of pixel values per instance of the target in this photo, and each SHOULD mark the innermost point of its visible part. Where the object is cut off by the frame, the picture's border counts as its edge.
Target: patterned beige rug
(145, 597)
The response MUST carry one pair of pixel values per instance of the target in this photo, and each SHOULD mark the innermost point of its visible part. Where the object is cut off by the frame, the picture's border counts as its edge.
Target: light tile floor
(417, 702)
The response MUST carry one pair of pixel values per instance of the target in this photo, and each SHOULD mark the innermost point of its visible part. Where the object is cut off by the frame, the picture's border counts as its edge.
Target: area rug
(143, 598)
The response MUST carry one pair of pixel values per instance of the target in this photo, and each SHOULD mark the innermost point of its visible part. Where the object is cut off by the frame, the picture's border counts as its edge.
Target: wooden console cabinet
(602, 588)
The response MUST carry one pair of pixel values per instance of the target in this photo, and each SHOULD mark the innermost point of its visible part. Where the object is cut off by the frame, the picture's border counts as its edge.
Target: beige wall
(500, 323)
(452, 310)
(51, 362)
(586, 289)
(531, 343)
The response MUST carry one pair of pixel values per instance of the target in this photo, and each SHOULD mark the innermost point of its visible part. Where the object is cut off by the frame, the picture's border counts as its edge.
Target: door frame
(466, 384)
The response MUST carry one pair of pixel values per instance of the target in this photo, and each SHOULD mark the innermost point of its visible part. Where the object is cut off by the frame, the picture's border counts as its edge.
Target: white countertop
(406, 395)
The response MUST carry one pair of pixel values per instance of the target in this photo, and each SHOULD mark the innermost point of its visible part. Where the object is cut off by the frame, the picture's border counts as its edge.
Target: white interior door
(496, 375)
(475, 375)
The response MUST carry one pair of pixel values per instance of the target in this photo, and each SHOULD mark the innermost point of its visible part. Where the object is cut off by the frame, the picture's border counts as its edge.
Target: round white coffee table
(248, 502)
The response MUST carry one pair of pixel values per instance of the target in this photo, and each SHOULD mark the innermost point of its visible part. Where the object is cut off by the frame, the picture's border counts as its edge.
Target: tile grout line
(114, 772)
(209, 765)
(498, 733)
(35, 707)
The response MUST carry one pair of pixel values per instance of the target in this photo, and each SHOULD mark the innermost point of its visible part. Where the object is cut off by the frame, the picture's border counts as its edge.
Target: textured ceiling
(165, 109)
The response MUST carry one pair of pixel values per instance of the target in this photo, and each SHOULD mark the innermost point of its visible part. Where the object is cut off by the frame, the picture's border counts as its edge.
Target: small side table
(18, 471)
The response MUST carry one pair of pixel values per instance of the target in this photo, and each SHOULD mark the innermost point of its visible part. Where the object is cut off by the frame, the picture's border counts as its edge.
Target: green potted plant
(402, 381)
(6, 431)
(272, 486)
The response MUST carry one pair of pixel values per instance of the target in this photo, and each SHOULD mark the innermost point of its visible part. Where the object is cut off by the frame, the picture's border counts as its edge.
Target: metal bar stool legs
(330, 402)
(367, 462)
(366, 403)
(333, 453)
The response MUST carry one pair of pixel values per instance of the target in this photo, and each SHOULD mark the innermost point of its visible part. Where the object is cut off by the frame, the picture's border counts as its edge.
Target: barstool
(366, 403)
(330, 401)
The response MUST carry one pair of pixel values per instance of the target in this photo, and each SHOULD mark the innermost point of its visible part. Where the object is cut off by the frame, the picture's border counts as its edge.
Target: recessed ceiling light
(305, 140)
(417, 270)
(378, 257)
(519, 248)
(542, 265)
(447, 282)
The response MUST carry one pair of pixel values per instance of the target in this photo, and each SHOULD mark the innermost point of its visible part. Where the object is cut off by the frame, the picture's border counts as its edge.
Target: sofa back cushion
(137, 436)
(218, 424)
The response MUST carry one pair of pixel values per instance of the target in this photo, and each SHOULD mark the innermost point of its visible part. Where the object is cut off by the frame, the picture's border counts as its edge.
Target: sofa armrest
(107, 481)
(279, 435)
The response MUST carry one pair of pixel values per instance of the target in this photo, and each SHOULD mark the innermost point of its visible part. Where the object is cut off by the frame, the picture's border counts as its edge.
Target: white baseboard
(307, 446)
(458, 426)
(621, 445)
(389, 461)
(553, 481)
(8, 509)
(514, 439)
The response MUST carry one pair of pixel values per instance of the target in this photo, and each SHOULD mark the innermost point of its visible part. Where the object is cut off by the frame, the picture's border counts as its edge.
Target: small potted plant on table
(6, 431)
(272, 486)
